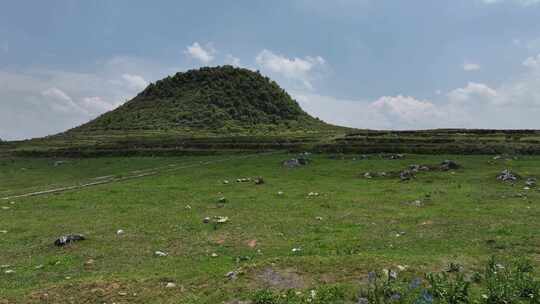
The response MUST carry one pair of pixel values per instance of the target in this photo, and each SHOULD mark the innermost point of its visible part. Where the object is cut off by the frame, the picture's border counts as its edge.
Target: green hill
(218, 99)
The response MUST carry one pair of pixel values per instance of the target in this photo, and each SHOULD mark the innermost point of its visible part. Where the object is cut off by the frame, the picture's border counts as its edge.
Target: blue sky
(383, 64)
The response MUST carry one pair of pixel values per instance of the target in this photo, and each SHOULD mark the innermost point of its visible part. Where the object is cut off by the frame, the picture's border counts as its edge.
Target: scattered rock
(89, 262)
(160, 254)
(363, 301)
(531, 182)
(9, 271)
(402, 268)
(415, 203)
(295, 162)
(69, 239)
(280, 193)
(448, 165)
(222, 200)
(406, 175)
(221, 219)
(3, 231)
(507, 176)
(59, 163)
(368, 175)
(243, 180)
(417, 168)
(5, 208)
(319, 218)
(214, 255)
(206, 220)
(392, 156)
(313, 194)
(225, 182)
(295, 250)
(231, 275)
(259, 181)
(119, 232)
(170, 285)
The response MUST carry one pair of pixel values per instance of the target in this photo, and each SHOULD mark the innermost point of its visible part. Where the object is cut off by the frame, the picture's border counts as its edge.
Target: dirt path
(102, 180)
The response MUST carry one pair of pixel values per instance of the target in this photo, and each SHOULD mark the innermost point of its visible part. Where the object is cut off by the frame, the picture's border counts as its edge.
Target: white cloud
(532, 62)
(299, 69)
(473, 92)
(387, 112)
(51, 101)
(56, 93)
(471, 67)
(407, 111)
(512, 105)
(135, 82)
(196, 51)
(96, 104)
(231, 60)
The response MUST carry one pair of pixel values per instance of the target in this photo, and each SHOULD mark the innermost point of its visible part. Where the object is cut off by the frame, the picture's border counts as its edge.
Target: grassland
(355, 225)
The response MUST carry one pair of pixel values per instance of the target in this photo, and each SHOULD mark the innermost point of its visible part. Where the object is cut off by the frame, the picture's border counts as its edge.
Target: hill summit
(220, 99)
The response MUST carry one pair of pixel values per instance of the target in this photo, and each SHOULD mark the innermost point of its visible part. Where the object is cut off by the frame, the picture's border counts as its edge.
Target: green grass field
(355, 225)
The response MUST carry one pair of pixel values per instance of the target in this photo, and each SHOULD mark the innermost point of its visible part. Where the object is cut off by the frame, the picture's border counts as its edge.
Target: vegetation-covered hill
(221, 99)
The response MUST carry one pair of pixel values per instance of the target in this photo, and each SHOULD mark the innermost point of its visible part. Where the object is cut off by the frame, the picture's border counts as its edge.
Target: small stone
(188, 207)
(259, 181)
(9, 271)
(5, 208)
(312, 194)
(3, 231)
(280, 193)
(12, 203)
(402, 268)
(160, 254)
(221, 219)
(319, 218)
(69, 239)
(214, 255)
(170, 285)
(119, 232)
(122, 294)
(231, 275)
(225, 182)
(222, 200)
(89, 262)
(206, 220)
(40, 266)
(296, 250)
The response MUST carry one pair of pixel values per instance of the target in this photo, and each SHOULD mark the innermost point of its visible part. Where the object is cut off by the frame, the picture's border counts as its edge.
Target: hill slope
(222, 99)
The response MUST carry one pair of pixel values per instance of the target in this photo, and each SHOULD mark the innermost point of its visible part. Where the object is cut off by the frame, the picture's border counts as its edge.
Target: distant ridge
(220, 99)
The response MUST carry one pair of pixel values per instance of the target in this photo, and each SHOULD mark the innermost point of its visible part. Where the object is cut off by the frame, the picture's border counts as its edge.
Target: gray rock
(531, 182)
(406, 175)
(448, 165)
(508, 176)
(68, 239)
(296, 162)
